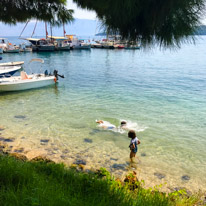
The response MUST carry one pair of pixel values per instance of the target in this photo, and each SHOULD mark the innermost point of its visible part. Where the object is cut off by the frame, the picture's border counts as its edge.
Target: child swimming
(105, 124)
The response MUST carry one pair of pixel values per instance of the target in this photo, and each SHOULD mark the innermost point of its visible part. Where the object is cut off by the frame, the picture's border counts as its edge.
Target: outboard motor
(57, 75)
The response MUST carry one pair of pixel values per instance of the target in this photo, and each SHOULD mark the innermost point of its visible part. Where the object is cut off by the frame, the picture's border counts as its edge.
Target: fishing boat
(8, 71)
(60, 43)
(41, 44)
(26, 82)
(76, 43)
(19, 63)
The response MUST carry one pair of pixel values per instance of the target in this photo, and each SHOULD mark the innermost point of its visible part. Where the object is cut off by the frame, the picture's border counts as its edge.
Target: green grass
(40, 183)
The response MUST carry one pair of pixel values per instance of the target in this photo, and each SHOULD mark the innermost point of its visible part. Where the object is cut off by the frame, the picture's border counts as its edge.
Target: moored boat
(19, 63)
(25, 82)
(8, 71)
(76, 43)
(60, 43)
(41, 45)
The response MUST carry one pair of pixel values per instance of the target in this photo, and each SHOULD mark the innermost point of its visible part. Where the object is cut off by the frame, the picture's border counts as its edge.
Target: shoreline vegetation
(41, 181)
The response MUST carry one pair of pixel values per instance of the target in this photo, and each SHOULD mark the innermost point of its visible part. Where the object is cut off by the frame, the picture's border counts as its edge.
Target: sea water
(160, 93)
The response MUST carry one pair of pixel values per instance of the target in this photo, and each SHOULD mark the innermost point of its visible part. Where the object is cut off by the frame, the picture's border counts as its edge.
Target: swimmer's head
(99, 121)
(123, 123)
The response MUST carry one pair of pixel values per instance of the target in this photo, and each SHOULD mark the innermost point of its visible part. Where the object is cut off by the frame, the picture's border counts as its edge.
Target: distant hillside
(201, 30)
(80, 27)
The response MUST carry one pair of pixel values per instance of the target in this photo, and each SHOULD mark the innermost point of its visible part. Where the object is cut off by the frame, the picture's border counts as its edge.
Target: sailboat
(40, 44)
(60, 42)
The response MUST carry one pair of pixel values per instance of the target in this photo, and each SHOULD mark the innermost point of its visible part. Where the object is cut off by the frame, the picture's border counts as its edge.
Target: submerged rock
(44, 140)
(88, 140)
(119, 166)
(63, 157)
(113, 159)
(19, 156)
(2, 138)
(80, 162)
(19, 116)
(19, 150)
(185, 177)
(65, 151)
(42, 159)
(9, 140)
(159, 175)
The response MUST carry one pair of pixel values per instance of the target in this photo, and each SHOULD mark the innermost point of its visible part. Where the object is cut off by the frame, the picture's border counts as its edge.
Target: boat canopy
(37, 60)
(57, 37)
(32, 39)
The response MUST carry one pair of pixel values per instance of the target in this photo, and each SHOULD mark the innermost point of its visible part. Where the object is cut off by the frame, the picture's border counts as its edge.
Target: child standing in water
(133, 144)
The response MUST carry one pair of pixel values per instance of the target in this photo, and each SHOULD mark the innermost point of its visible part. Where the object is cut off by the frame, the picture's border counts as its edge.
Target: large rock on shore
(42, 159)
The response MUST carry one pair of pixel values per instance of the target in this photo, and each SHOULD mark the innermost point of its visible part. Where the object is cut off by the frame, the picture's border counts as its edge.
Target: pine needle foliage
(163, 22)
(52, 11)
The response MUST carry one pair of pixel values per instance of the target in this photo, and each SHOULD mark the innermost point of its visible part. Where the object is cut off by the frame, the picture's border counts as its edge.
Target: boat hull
(11, 51)
(63, 48)
(27, 84)
(81, 47)
(45, 48)
(8, 71)
(12, 64)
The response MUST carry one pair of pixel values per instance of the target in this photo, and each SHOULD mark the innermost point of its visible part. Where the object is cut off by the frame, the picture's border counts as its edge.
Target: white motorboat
(8, 71)
(11, 64)
(76, 43)
(25, 82)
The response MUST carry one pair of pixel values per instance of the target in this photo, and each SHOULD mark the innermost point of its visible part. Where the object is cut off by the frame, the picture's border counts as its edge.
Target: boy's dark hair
(123, 122)
(132, 134)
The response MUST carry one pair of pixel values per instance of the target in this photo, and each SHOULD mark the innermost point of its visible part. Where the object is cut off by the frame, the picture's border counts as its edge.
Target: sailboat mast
(64, 32)
(34, 29)
(46, 30)
(51, 30)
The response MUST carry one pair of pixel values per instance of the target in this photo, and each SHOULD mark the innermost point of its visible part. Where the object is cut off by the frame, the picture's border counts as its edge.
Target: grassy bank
(41, 183)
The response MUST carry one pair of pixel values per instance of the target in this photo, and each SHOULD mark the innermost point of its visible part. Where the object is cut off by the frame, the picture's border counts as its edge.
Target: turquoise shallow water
(160, 93)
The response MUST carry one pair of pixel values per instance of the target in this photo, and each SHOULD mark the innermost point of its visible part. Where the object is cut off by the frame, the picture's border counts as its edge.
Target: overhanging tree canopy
(53, 11)
(166, 22)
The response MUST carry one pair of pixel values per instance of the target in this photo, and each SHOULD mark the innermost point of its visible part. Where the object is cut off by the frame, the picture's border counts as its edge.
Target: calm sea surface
(162, 95)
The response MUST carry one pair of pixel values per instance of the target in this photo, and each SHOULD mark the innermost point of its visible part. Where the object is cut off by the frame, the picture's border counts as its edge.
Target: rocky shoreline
(44, 153)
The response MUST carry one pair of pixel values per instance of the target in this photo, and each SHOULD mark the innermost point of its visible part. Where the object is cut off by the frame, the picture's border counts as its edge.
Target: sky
(85, 14)
(80, 13)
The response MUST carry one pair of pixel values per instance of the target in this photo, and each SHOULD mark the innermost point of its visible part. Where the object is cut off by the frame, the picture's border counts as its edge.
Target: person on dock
(133, 144)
